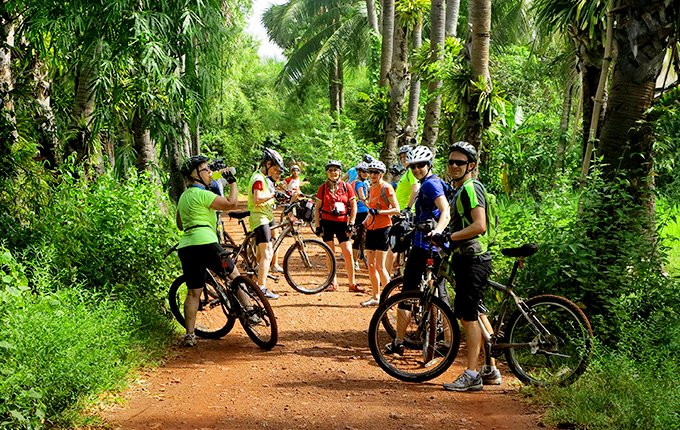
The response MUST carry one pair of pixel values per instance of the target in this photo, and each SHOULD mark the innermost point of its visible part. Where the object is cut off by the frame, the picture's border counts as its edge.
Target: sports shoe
(465, 382)
(356, 289)
(331, 288)
(356, 265)
(370, 302)
(269, 294)
(277, 269)
(491, 375)
(189, 340)
(395, 347)
(253, 317)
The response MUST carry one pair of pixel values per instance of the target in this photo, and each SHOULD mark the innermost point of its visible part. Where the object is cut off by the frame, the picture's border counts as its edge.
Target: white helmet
(362, 166)
(376, 165)
(404, 149)
(420, 154)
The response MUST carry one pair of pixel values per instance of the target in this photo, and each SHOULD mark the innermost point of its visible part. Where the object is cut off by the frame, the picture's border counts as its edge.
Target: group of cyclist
(355, 208)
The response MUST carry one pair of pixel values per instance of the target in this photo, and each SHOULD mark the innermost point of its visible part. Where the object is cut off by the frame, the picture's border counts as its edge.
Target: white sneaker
(356, 266)
(370, 302)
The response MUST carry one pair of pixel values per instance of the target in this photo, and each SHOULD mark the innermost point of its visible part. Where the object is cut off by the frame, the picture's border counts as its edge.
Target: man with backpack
(471, 262)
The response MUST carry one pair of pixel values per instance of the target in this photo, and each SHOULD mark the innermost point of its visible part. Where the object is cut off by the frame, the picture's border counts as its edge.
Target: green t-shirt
(403, 191)
(194, 210)
(264, 213)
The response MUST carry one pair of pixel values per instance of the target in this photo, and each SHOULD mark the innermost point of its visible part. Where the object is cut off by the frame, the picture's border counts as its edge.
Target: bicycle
(546, 340)
(308, 264)
(222, 302)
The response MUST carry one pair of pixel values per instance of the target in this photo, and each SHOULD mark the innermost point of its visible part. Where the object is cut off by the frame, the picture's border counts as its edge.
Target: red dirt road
(321, 375)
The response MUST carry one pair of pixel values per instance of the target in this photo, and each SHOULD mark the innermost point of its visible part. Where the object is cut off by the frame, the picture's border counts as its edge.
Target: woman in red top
(382, 204)
(334, 216)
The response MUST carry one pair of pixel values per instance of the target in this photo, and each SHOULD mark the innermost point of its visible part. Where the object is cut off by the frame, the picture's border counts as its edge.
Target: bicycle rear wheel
(257, 316)
(213, 319)
(431, 342)
(557, 343)
(309, 268)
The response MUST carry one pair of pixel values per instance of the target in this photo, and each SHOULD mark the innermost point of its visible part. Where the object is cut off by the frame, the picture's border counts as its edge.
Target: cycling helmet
(191, 164)
(466, 148)
(333, 163)
(397, 169)
(420, 154)
(376, 165)
(368, 158)
(404, 149)
(363, 166)
(273, 156)
(295, 167)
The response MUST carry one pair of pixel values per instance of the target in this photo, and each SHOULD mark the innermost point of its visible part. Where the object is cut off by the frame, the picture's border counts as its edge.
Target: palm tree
(372, 16)
(8, 132)
(479, 14)
(411, 126)
(642, 35)
(452, 12)
(320, 39)
(386, 51)
(433, 106)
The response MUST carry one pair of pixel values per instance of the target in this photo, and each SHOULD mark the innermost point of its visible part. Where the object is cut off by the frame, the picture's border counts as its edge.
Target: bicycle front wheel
(309, 267)
(257, 316)
(553, 345)
(431, 341)
(213, 319)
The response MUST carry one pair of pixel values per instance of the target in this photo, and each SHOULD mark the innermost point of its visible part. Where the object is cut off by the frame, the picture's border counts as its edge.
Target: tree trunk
(81, 143)
(386, 52)
(196, 137)
(452, 12)
(479, 13)
(564, 125)
(399, 83)
(47, 129)
(334, 87)
(642, 36)
(372, 16)
(414, 94)
(434, 99)
(146, 152)
(176, 147)
(8, 127)
(590, 76)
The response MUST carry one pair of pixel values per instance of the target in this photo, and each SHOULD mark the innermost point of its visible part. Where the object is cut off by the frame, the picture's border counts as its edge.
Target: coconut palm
(479, 14)
(433, 106)
(320, 38)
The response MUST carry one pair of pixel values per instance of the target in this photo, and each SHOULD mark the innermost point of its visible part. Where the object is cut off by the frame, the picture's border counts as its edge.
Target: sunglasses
(458, 162)
(206, 169)
(374, 172)
(420, 165)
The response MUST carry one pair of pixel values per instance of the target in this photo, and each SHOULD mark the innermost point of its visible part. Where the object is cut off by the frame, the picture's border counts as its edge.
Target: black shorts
(359, 230)
(472, 276)
(195, 259)
(263, 233)
(336, 229)
(377, 240)
(415, 267)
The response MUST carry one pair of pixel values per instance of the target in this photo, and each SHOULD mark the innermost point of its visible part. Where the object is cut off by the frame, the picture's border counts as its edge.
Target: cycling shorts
(263, 233)
(415, 267)
(472, 276)
(378, 240)
(359, 230)
(197, 258)
(336, 229)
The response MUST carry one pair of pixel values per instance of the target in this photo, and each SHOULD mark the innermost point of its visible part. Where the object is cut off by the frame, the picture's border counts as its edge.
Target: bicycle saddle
(238, 214)
(522, 251)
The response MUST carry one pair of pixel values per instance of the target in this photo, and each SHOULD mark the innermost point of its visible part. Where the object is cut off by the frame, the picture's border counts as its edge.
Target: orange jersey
(378, 198)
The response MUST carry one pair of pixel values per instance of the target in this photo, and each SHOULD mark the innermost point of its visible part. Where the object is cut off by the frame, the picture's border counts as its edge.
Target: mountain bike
(222, 302)
(546, 339)
(308, 264)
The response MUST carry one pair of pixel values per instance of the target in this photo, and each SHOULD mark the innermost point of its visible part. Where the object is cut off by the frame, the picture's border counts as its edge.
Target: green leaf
(6, 345)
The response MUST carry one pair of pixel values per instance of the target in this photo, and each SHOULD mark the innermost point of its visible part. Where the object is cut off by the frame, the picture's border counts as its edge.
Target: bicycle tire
(213, 319)
(259, 323)
(571, 336)
(394, 287)
(422, 359)
(309, 278)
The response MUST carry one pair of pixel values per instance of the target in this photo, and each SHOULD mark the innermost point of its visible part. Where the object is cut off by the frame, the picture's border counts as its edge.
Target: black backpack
(401, 234)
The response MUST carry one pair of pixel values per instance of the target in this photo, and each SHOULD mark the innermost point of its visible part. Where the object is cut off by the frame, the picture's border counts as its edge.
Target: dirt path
(320, 376)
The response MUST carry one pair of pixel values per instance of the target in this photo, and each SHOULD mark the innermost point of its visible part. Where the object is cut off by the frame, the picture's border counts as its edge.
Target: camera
(217, 164)
(335, 211)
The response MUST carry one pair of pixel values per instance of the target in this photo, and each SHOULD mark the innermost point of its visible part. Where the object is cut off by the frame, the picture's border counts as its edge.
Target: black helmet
(368, 159)
(192, 163)
(273, 156)
(333, 163)
(466, 148)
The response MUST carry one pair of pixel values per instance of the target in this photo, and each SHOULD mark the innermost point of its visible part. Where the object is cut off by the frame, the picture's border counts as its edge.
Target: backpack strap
(383, 194)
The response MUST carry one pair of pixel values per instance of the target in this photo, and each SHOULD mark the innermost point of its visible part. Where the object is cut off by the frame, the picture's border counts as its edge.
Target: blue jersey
(430, 189)
(352, 174)
(361, 207)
